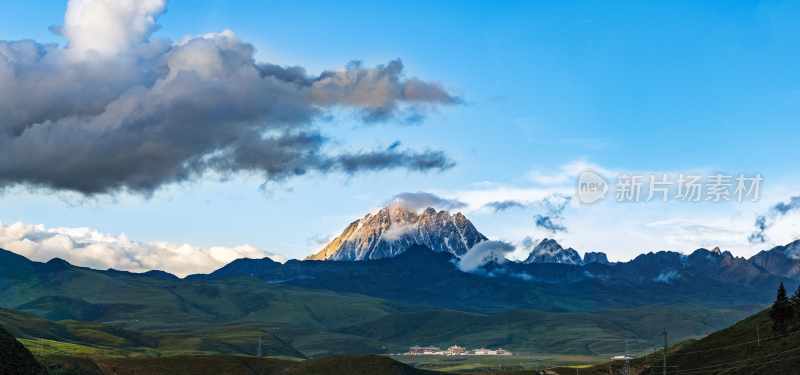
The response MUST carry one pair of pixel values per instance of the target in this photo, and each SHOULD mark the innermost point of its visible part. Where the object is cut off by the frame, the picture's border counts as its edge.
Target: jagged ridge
(393, 229)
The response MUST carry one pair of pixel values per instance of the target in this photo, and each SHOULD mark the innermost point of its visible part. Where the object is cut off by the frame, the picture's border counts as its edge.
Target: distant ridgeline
(403, 256)
(371, 251)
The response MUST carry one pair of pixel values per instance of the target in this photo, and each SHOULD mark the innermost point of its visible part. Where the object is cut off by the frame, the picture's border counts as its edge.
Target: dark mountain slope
(781, 260)
(15, 359)
(746, 348)
(749, 347)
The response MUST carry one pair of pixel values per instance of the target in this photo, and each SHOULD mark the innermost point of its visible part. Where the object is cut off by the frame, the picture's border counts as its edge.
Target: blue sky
(631, 86)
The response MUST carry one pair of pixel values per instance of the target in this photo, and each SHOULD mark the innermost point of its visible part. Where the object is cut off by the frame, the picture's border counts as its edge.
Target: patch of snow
(667, 277)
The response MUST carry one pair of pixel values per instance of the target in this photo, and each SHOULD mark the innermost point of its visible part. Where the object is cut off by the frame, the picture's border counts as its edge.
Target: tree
(781, 312)
(796, 300)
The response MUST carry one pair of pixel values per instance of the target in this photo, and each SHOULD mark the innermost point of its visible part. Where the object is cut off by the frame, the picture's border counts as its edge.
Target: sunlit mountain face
(394, 228)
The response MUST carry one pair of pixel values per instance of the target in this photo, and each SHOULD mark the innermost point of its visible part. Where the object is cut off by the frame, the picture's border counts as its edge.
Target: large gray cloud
(135, 113)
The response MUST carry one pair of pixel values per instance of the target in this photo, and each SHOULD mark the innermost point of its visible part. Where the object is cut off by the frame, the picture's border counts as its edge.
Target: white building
(424, 350)
(456, 350)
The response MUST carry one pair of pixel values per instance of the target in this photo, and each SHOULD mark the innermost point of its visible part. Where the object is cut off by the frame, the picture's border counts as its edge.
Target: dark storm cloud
(421, 200)
(159, 113)
(767, 220)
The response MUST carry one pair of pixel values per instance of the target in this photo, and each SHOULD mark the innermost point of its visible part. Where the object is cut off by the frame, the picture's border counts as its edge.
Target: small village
(455, 350)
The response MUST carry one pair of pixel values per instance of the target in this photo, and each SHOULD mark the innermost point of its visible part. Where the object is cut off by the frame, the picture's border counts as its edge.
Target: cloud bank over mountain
(91, 248)
(116, 110)
(422, 200)
(483, 253)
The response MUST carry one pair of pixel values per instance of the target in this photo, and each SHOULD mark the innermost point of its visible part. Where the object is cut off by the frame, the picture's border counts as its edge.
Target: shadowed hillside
(15, 359)
(748, 347)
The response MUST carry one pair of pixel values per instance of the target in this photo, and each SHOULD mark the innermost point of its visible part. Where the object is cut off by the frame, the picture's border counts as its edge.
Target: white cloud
(397, 231)
(709, 233)
(567, 173)
(108, 27)
(623, 230)
(422, 200)
(90, 248)
(477, 199)
(783, 231)
(483, 253)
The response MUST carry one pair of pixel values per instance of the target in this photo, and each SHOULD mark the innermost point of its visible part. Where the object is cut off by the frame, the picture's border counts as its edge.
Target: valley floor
(488, 364)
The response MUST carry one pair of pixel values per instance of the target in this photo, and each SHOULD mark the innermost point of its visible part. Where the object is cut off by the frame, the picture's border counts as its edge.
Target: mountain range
(317, 308)
(399, 271)
(394, 229)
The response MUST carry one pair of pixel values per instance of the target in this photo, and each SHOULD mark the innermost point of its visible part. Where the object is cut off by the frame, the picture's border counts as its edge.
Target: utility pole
(665, 352)
(627, 369)
(758, 335)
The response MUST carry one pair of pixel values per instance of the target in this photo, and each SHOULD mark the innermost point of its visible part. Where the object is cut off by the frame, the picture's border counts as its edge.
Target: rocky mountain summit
(550, 251)
(395, 228)
(595, 257)
(780, 260)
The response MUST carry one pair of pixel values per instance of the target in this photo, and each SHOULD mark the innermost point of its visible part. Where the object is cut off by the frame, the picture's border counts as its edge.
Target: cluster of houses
(454, 350)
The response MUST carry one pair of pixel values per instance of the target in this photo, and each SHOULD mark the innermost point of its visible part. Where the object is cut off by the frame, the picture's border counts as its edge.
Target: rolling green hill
(525, 331)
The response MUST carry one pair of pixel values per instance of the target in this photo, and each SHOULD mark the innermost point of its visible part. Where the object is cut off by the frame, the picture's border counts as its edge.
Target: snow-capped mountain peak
(550, 251)
(392, 229)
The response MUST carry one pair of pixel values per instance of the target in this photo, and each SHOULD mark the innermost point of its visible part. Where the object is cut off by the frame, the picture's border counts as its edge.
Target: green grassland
(526, 331)
(500, 364)
(323, 330)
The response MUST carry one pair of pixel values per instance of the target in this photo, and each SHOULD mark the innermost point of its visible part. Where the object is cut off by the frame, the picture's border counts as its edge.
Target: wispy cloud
(775, 213)
(500, 206)
(421, 200)
(552, 218)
